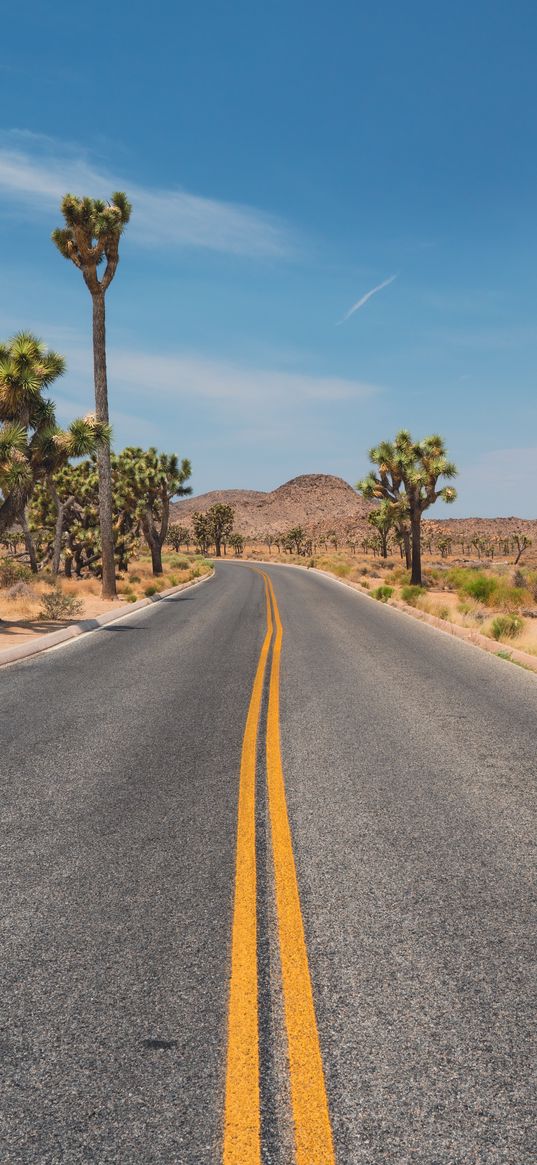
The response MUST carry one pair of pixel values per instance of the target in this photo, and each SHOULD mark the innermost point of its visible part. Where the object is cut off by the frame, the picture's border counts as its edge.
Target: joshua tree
(237, 542)
(177, 536)
(32, 446)
(145, 482)
(220, 519)
(202, 531)
(57, 448)
(444, 543)
(521, 543)
(91, 237)
(383, 520)
(407, 477)
(26, 369)
(294, 540)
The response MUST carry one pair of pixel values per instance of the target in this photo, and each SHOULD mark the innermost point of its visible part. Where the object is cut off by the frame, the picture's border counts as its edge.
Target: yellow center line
(242, 1136)
(313, 1133)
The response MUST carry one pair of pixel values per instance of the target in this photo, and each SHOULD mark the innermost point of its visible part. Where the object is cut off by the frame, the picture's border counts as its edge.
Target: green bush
(173, 580)
(130, 597)
(134, 578)
(473, 583)
(506, 627)
(12, 572)
(56, 605)
(411, 594)
(195, 572)
(151, 590)
(382, 594)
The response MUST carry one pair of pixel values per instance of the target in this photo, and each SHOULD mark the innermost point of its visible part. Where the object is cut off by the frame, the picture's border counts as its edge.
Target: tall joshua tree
(407, 478)
(89, 239)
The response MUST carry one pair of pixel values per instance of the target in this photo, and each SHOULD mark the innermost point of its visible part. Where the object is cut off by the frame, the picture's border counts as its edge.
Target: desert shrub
(473, 583)
(365, 584)
(382, 594)
(130, 597)
(134, 578)
(311, 563)
(506, 626)
(341, 569)
(401, 575)
(12, 572)
(179, 562)
(507, 597)
(173, 580)
(411, 594)
(441, 612)
(151, 590)
(19, 590)
(56, 605)
(195, 572)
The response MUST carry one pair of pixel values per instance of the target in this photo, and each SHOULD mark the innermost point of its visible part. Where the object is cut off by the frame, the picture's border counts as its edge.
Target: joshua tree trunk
(28, 542)
(156, 558)
(60, 510)
(103, 453)
(9, 512)
(217, 547)
(406, 544)
(416, 549)
(154, 541)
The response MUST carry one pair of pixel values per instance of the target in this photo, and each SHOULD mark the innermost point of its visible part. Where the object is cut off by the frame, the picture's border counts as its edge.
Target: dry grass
(21, 614)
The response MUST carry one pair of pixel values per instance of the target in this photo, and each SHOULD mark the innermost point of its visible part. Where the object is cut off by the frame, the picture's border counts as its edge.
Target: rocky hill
(316, 501)
(321, 503)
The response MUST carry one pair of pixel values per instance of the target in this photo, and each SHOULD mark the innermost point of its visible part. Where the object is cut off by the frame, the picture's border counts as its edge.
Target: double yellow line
(242, 1118)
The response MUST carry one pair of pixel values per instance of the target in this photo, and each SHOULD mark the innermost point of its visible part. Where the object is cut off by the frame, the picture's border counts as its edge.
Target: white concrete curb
(44, 642)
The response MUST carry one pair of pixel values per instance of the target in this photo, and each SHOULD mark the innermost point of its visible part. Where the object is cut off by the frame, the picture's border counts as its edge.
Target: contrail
(364, 299)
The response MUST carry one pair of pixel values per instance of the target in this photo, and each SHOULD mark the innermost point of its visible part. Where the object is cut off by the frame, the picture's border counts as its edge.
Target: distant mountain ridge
(320, 503)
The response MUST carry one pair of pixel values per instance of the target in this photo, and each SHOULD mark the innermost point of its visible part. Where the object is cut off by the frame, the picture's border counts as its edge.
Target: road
(180, 982)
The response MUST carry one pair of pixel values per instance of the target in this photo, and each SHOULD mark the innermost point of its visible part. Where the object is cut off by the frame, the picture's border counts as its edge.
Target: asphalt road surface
(179, 983)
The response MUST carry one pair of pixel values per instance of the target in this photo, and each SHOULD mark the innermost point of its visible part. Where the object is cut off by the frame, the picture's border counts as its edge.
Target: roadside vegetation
(32, 603)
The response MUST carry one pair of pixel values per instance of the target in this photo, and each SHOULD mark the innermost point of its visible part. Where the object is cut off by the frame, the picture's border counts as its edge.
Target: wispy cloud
(196, 377)
(35, 171)
(360, 302)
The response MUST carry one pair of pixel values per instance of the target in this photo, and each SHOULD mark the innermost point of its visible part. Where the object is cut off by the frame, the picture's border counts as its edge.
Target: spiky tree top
(32, 445)
(91, 236)
(408, 473)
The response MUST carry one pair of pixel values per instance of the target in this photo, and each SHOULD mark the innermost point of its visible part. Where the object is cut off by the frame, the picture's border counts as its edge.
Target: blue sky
(282, 161)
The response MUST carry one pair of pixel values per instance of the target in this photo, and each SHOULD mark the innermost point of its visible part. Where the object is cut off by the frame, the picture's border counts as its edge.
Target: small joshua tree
(521, 543)
(220, 519)
(236, 541)
(177, 536)
(90, 238)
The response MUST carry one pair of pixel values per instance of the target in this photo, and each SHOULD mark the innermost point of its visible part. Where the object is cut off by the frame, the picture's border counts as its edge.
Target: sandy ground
(14, 631)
